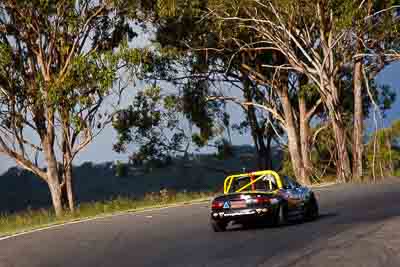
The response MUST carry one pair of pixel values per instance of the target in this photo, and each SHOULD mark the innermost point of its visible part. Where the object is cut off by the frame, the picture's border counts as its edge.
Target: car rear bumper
(242, 215)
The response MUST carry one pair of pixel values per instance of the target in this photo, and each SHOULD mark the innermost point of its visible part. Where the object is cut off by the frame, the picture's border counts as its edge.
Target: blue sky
(391, 77)
(101, 149)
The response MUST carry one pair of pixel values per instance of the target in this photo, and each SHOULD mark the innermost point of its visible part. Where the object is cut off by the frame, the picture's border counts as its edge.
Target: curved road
(359, 226)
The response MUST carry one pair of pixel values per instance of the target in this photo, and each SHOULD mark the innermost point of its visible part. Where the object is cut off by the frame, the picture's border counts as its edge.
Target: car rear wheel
(218, 226)
(312, 211)
(280, 216)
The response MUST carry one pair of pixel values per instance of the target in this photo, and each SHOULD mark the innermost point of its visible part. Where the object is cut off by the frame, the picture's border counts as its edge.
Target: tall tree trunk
(257, 132)
(358, 122)
(67, 145)
(389, 148)
(53, 180)
(55, 191)
(264, 155)
(343, 161)
(329, 77)
(294, 152)
(304, 140)
(332, 102)
(67, 189)
(292, 133)
(70, 189)
(268, 160)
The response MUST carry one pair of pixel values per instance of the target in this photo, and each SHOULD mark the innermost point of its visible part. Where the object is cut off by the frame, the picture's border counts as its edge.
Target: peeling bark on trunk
(358, 123)
(68, 199)
(53, 177)
(293, 140)
(67, 161)
(304, 140)
(55, 191)
(53, 180)
(69, 187)
(295, 155)
(343, 161)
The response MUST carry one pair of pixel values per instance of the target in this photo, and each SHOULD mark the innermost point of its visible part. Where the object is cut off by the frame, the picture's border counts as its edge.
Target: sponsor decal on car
(240, 213)
(238, 204)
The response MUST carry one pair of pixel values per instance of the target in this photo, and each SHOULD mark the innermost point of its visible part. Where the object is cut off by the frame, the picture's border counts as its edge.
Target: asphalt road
(359, 226)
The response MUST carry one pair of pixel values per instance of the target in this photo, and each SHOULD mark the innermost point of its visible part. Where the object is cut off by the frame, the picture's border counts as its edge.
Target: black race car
(262, 197)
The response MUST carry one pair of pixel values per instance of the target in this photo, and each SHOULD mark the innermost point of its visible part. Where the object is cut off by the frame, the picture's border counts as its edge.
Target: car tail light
(262, 200)
(217, 204)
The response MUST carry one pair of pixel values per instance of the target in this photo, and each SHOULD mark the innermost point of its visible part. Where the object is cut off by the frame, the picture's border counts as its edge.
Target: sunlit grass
(32, 219)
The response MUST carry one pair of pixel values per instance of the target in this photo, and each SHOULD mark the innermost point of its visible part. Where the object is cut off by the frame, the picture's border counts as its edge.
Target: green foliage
(152, 121)
(383, 151)
(184, 24)
(198, 140)
(219, 47)
(197, 109)
(383, 95)
(79, 71)
(322, 155)
(121, 170)
(287, 167)
(225, 149)
(59, 61)
(309, 91)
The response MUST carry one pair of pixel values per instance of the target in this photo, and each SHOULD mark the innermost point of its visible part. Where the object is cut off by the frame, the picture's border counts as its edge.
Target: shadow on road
(249, 227)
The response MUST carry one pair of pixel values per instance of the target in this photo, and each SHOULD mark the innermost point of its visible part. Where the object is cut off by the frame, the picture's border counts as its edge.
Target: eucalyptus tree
(371, 46)
(58, 63)
(193, 66)
(245, 50)
(212, 52)
(269, 42)
(313, 41)
(306, 43)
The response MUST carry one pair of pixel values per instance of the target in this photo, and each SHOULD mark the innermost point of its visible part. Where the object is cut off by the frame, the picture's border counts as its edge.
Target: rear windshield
(265, 184)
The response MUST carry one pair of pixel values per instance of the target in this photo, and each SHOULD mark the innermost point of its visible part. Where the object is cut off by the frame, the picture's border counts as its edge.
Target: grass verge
(36, 219)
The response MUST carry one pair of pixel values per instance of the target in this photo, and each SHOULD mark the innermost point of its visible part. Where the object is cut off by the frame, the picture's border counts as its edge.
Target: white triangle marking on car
(226, 205)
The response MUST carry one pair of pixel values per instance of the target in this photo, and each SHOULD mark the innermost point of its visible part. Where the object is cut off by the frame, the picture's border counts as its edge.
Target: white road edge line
(317, 187)
(102, 217)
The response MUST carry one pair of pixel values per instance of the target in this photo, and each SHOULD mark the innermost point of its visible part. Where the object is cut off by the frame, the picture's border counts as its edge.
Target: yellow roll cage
(228, 180)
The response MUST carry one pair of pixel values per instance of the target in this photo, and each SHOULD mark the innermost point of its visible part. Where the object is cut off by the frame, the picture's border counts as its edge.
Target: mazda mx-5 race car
(262, 197)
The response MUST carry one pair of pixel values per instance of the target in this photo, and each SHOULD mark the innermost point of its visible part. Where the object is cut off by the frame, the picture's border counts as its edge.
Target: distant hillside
(93, 182)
